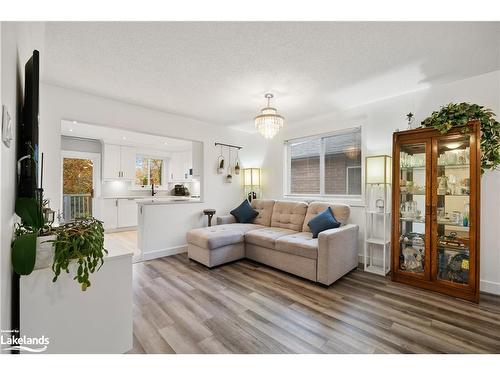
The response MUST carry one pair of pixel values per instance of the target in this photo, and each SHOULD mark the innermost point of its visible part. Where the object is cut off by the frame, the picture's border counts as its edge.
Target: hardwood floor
(181, 306)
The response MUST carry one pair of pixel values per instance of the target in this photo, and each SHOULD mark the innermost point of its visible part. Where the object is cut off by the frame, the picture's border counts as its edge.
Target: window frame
(164, 180)
(354, 199)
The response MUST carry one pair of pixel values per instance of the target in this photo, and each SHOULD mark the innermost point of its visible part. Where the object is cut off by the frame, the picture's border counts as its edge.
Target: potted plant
(37, 244)
(220, 165)
(454, 114)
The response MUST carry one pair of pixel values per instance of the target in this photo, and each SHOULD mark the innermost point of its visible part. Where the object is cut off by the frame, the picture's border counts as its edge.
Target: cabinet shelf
(454, 249)
(420, 221)
(449, 166)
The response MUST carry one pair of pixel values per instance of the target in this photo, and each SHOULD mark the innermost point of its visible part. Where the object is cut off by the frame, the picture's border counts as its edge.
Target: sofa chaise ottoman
(280, 237)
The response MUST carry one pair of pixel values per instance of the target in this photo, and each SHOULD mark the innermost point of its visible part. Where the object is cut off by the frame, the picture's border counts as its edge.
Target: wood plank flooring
(181, 306)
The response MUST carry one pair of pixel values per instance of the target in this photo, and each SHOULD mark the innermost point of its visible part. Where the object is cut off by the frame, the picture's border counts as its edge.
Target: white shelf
(377, 213)
(379, 270)
(378, 241)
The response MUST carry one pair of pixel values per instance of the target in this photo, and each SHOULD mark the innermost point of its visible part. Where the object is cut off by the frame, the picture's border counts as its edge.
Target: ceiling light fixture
(269, 122)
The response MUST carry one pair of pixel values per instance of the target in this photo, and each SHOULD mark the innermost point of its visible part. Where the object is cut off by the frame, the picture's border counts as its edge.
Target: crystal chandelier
(269, 122)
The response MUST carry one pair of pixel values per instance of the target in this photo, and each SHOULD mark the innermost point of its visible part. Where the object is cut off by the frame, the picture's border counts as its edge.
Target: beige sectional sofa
(280, 237)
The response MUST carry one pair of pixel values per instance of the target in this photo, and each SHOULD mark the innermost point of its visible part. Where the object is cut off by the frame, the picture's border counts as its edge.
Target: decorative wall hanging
(229, 176)
(6, 126)
(220, 162)
(237, 164)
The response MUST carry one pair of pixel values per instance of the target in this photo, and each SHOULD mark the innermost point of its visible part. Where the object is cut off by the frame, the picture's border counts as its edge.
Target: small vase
(229, 178)
(44, 252)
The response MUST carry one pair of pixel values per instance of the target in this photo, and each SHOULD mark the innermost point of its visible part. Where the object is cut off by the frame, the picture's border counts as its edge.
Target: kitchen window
(149, 170)
(324, 165)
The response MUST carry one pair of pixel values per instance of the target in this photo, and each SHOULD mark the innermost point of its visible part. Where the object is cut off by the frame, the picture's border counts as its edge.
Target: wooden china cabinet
(435, 210)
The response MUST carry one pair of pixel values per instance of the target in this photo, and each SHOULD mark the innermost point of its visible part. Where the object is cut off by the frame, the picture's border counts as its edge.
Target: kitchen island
(163, 223)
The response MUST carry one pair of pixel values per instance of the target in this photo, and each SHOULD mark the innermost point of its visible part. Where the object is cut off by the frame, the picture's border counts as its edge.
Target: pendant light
(269, 122)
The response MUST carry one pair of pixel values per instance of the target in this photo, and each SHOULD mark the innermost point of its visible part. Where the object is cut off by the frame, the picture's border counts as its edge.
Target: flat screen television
(28, 153)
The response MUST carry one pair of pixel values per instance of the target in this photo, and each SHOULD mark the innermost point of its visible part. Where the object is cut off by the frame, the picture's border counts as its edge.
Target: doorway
(80, 184)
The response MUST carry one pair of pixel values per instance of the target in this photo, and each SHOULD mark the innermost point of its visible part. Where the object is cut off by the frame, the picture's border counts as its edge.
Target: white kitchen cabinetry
(127, 162)
(187, 164)
(119, 162)
(119, 213)
(110, 213)
(111, 164)
(197, 162)
(180, 162)
(127, 213)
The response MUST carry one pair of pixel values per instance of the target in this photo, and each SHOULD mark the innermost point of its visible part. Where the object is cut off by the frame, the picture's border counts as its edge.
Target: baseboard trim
(489, 287)
(484, 286)
(164, 252)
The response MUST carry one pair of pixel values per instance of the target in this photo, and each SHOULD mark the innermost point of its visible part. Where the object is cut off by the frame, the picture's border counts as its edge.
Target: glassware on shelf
(409, 210)
(443, 185)
(440, 213)
(453, 258)
(411, 161)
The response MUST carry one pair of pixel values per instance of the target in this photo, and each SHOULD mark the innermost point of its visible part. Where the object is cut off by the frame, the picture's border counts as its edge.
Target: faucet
(153, 192)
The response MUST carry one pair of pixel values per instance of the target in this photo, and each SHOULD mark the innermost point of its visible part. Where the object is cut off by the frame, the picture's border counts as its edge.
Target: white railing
(76, 205)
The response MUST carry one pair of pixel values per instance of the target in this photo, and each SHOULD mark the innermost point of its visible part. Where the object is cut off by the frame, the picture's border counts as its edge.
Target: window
(328, 164)
(148, 170)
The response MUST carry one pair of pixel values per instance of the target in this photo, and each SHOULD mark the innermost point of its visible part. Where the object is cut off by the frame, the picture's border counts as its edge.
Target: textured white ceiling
(219, 72)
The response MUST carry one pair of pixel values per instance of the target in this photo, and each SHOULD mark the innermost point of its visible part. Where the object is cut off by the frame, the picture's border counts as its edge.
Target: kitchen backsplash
(125, 189)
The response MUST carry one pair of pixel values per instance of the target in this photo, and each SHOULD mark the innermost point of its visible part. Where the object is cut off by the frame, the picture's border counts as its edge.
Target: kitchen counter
(162, 199)
(166, 200)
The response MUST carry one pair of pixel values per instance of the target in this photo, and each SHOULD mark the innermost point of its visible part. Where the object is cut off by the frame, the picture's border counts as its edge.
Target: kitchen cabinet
(180, 163)
(119, 162)
(119, 213)
(127, 162)
(127, 213)
(197, 160)
(435, 210)
(110, 213)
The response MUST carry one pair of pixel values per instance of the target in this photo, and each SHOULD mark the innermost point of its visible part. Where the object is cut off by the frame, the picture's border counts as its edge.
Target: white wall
(80, 144)
(378, 121)
(18, 40)
(57, 104)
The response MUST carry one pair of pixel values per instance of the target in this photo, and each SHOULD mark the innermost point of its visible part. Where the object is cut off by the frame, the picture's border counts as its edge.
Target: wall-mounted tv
(28, 131)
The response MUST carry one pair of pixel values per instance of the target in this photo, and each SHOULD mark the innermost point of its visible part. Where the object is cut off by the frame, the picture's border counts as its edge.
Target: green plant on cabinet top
(81, 240)
(460, 114)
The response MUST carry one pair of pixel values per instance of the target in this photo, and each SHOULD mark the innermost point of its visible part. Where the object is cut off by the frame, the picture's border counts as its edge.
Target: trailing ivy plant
(83, 241)
(460, 114)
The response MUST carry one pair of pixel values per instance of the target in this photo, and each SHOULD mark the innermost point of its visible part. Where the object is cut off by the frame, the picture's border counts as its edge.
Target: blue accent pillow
(323, 221)
(244, 213)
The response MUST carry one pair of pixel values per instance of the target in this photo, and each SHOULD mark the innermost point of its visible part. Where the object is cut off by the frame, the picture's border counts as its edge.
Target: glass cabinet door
(413, 208)
(452, 209)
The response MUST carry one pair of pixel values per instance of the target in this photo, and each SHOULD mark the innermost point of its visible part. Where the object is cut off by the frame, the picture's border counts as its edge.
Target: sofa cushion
(265, 209)
(289, 215)
(301, 244)
(266, 237)
(219, 235)
(340, 211)
(323, 221)
(244, 213)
